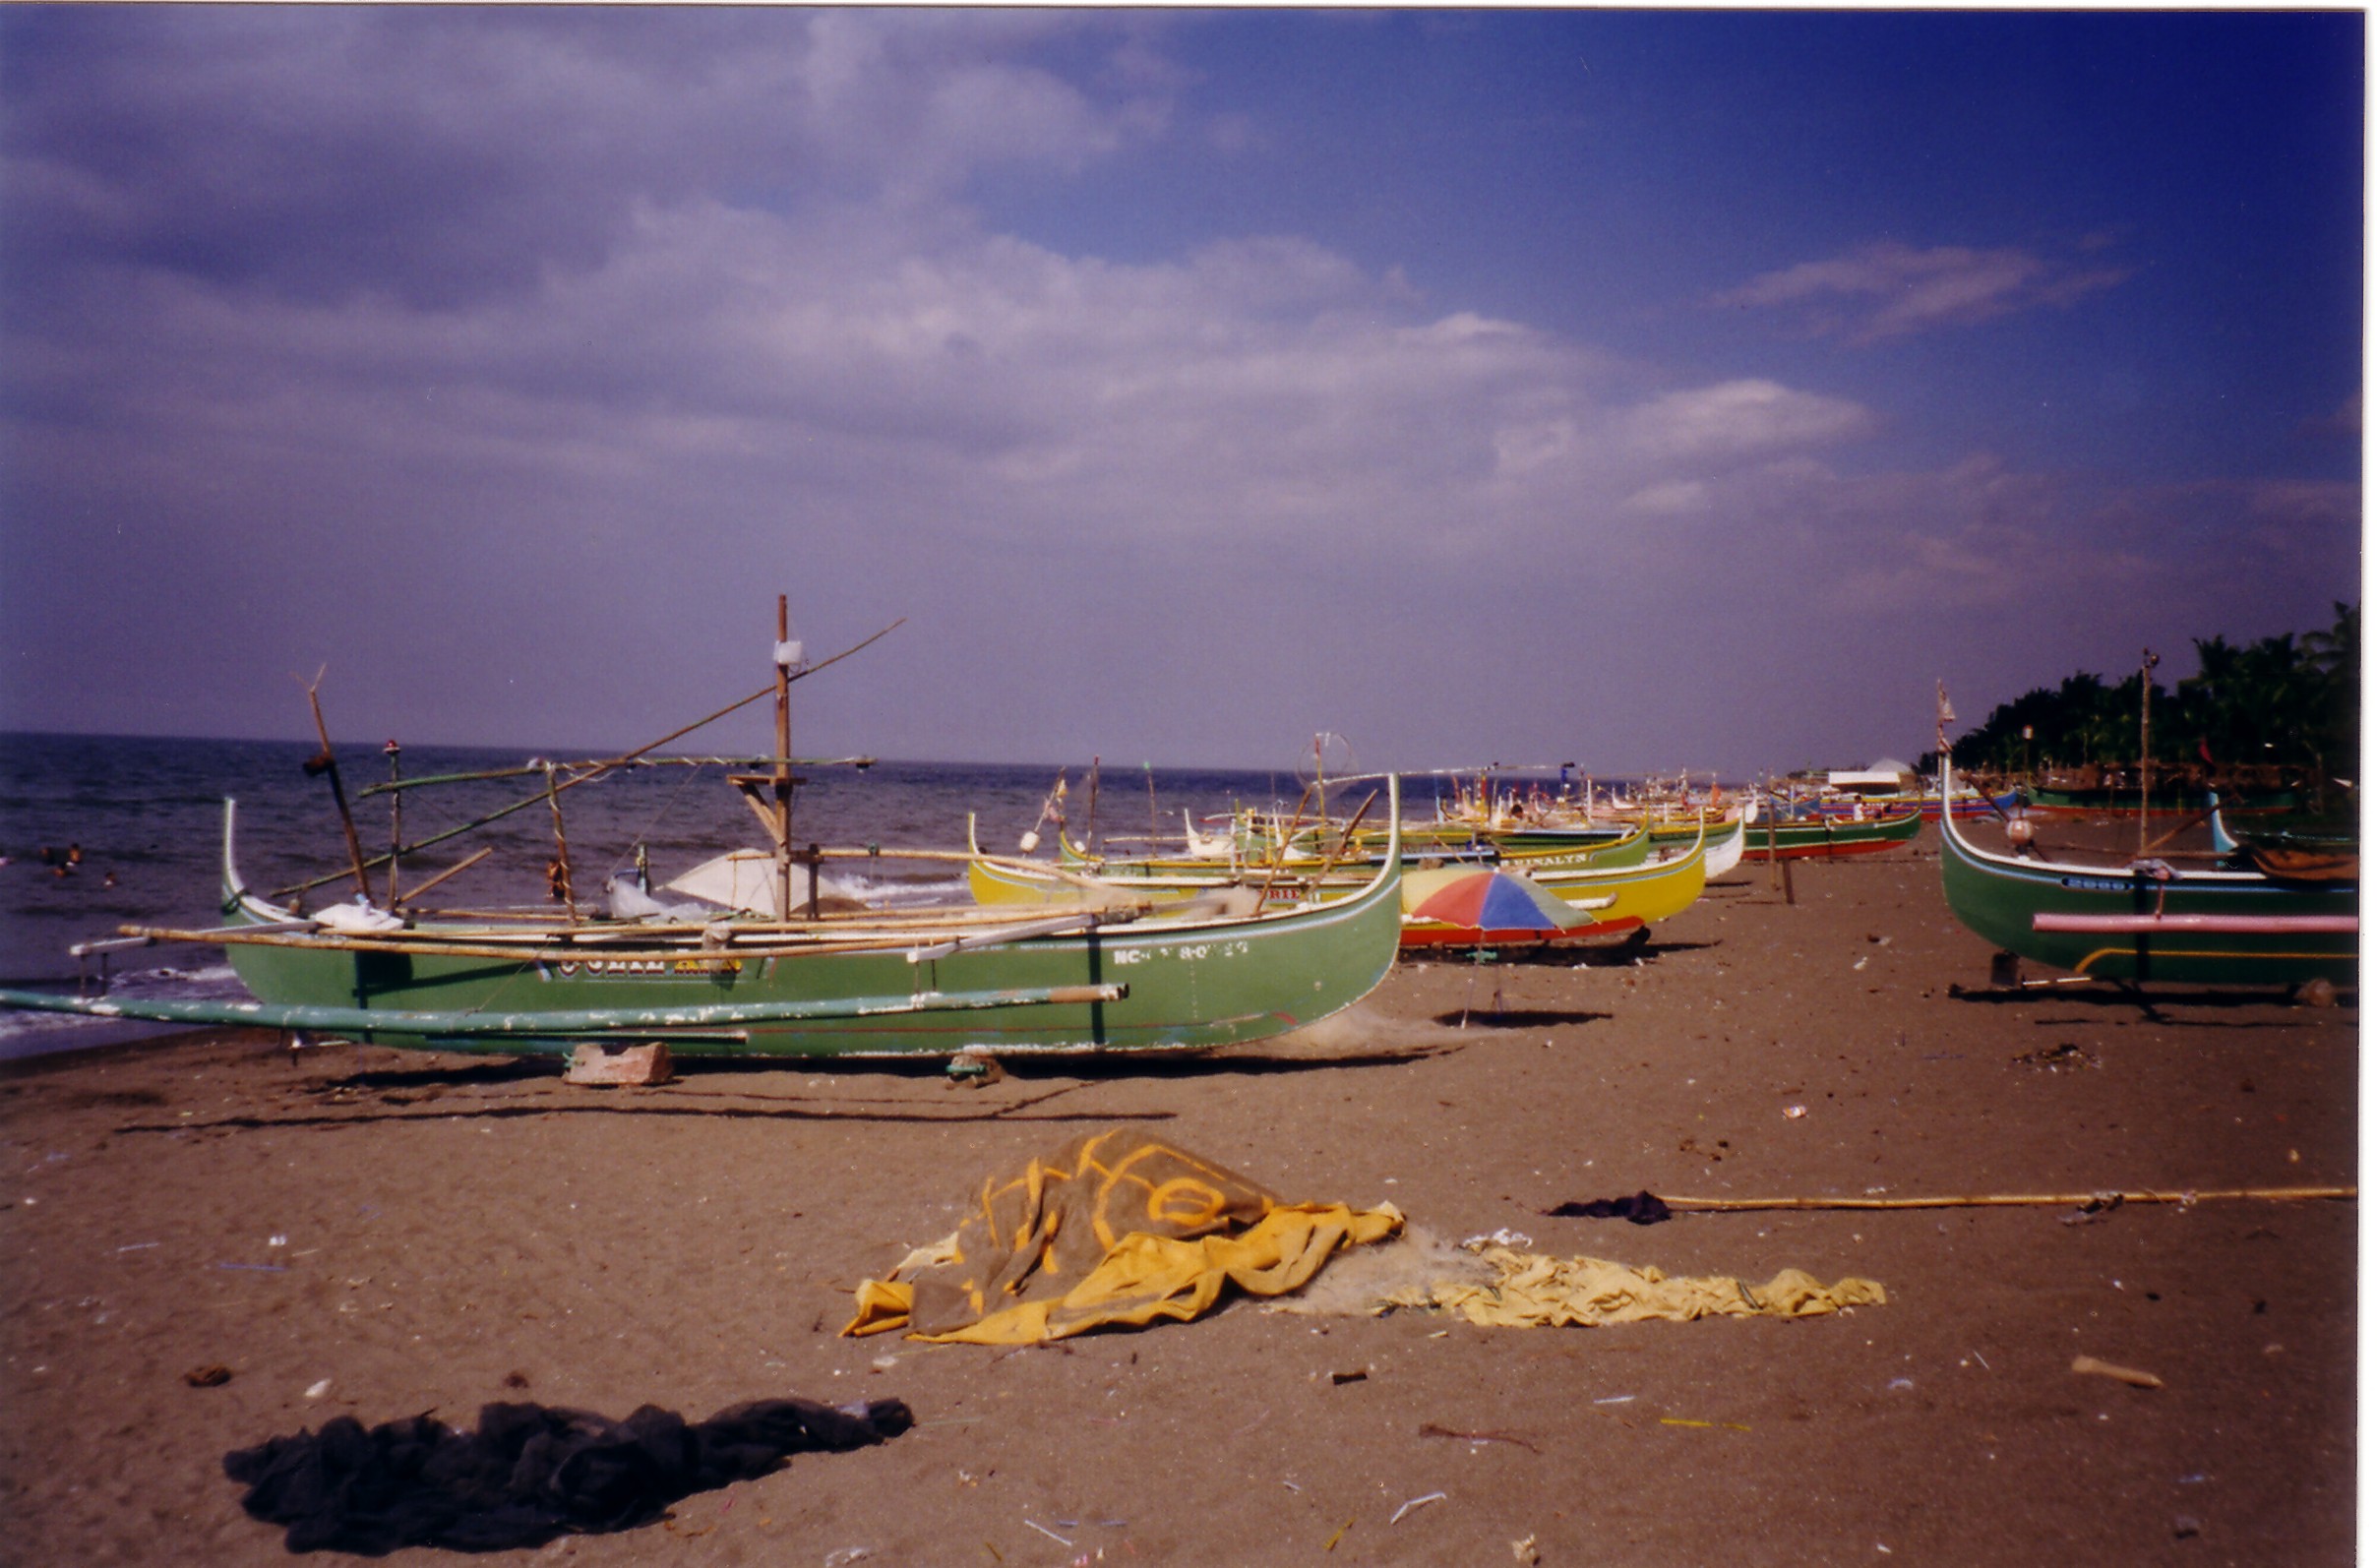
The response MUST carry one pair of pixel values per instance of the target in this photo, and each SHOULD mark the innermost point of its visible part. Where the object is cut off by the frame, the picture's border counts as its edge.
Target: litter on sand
(1415, 1502)
(2088, 1365)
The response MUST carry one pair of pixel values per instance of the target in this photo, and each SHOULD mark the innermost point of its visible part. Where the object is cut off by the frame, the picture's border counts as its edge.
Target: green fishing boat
(1829, 837)
(707, 980)
(2145, 920)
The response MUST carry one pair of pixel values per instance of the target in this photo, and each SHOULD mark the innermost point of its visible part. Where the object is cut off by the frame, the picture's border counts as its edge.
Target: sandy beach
(360, 1231)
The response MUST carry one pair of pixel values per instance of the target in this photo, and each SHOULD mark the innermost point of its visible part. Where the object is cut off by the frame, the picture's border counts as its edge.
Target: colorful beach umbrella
(1487, 900)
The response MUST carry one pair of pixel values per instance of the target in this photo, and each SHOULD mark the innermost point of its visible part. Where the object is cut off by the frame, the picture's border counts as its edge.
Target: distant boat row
(1268, 923)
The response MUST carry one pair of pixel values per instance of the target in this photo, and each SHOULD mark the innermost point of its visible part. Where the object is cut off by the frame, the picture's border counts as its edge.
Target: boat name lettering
(2099, 884)
(645, 968)
(1190, 952)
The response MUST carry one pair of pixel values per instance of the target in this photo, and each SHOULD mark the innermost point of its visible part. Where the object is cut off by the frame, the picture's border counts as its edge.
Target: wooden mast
(2145, 746)
(784, 656)
(327, 763)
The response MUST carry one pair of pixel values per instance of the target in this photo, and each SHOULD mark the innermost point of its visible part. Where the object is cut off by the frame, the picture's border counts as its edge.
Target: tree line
(2286, 706)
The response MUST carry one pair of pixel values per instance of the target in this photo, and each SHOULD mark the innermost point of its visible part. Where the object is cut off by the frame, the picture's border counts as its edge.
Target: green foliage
(2285, 701)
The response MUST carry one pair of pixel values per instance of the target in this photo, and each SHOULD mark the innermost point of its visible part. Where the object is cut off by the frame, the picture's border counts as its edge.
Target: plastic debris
(1415, 1502)
(319, 1388)
(1643, 1208)
(2091, 1367)
(1794, 1112)
(1050, 1533)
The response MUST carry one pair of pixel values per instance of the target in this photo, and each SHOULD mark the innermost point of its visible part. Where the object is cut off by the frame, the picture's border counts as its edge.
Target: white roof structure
(1884, 779)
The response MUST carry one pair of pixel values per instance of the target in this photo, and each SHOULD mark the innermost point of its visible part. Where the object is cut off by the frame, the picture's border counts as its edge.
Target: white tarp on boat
(742, 878)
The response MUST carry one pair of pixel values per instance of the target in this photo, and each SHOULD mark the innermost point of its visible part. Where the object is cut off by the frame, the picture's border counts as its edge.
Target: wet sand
(453, 1232)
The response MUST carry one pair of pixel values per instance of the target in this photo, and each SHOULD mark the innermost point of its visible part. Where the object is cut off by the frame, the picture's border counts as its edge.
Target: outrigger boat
(1614, 901)
(1830, 837)
(1723, 846)
(2146, 921)
(708, 981)
(1599, 902)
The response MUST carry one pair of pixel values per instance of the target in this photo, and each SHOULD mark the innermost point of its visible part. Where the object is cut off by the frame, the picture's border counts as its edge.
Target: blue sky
(1655, 390)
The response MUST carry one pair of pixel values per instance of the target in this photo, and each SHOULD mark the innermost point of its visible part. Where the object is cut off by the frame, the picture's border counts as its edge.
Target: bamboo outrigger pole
(2007, 1201)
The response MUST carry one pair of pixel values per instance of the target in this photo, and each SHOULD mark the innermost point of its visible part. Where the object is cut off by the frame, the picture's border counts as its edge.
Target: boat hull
(1622, 900)
(1175, 985)
(2196, 927)
(834, 989)
(1829, 837)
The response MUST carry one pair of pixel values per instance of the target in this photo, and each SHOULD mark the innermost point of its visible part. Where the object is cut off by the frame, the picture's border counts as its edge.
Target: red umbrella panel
(1490, 905)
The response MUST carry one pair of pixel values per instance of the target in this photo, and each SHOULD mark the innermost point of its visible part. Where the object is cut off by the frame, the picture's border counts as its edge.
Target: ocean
(144, 820)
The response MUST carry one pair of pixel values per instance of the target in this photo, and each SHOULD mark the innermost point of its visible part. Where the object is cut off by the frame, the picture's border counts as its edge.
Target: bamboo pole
(782, 770)
(611, 764)
(2145, 749)
(1995, 1200)
(395, 819)
(594, 770)
(2199, 817)
(529, 953)
(1279, 858)
(561, 851)
(1330, 863)
(456, 868)
(328, 764)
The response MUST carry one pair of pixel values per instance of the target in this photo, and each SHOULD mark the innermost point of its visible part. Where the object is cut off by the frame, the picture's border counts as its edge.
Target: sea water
(142, 819)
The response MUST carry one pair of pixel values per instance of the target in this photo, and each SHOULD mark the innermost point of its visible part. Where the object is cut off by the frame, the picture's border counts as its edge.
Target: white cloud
(1891, 289)
(743, 326)
(1740, 419)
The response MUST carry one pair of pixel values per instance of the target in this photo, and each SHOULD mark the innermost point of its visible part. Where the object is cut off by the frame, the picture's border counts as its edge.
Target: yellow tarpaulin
(1531, 1291)
(1114, 1229)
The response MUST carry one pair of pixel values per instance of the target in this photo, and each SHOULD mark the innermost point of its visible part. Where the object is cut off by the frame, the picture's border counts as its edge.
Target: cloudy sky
(1651, 390)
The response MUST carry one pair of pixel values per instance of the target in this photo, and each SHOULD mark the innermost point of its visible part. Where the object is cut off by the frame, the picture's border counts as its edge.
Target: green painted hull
(1578, 848)
(832, 988)
(2000, 898)
(1189, 984)
(1829, 837)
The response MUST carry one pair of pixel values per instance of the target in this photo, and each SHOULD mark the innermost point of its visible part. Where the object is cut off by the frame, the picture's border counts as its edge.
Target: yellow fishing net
(1531, 1291)
(1114, 1229)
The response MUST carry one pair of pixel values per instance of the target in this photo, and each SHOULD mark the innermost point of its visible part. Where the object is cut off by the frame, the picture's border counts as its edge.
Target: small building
(1888, 776)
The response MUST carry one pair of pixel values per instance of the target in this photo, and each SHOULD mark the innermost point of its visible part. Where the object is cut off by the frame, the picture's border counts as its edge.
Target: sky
(1651, 389)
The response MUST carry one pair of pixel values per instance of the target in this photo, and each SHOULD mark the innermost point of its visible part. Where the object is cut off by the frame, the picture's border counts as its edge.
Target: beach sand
(428, 1233)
